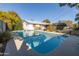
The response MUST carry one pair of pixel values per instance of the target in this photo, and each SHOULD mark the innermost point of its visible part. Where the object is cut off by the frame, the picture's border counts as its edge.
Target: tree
(51, 28)
(60, 25)
(77, 18)
(70, 4)
(46, 21)
(76, 5)
(11, 19)
(75, 26)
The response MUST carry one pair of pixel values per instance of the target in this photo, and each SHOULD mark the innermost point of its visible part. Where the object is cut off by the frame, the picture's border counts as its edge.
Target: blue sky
(39, 12)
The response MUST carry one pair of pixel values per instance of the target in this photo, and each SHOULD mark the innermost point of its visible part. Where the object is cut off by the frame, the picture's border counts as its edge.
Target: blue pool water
(43, 47)
(49, 45)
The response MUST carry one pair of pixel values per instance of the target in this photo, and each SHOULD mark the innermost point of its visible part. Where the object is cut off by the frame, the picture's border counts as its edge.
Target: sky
(40, 11)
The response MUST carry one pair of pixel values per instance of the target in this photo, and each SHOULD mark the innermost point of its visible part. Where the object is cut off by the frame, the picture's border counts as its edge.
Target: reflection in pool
(39, 43)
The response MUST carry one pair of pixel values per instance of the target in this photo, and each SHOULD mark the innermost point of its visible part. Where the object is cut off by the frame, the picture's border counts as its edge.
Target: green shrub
(5, 36)
(76, 27)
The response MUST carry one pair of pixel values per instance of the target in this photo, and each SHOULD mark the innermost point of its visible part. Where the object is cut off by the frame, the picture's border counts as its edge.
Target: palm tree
(76, 5)
(77, 17)
(69, 4)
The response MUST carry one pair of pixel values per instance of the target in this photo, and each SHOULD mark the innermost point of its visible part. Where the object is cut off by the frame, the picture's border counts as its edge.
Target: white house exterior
(28, 29)
(36, 25)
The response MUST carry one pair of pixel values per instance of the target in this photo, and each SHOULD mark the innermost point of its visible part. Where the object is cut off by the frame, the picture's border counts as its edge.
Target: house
(69, 23)
(36, 25)
(2, 26)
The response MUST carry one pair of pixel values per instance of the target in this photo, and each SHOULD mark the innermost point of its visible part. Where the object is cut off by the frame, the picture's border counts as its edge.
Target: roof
(36, 22)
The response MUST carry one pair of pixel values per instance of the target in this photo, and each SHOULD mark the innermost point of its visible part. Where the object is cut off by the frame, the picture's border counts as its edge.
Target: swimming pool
(44, 42)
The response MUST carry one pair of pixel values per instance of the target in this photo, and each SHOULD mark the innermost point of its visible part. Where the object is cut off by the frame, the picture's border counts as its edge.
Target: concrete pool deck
(70, 47)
